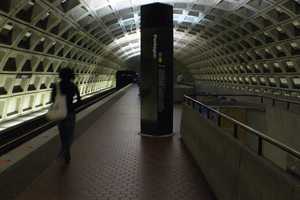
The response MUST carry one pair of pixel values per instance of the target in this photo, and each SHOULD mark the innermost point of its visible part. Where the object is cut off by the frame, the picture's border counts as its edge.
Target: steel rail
(261, 136)
(289, 101)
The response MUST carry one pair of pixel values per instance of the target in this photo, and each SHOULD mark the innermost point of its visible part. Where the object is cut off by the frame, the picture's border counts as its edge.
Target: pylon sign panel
(156, 69)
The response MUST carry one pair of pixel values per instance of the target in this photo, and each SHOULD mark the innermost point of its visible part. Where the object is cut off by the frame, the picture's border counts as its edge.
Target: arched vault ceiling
(116, 22)
(249, 45)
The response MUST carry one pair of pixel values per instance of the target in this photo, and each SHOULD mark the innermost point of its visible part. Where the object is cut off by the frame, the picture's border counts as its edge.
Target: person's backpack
(58, 110)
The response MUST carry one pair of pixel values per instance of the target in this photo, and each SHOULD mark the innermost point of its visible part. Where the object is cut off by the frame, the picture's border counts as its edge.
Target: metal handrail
(262, 97)
(261, 136)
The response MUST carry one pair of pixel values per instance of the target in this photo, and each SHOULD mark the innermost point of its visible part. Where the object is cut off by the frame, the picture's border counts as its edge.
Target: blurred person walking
(66, 126)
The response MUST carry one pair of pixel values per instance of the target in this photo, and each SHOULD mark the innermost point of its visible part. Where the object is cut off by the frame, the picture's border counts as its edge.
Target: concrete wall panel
(260, 179)
(213, 153)
(234, 171)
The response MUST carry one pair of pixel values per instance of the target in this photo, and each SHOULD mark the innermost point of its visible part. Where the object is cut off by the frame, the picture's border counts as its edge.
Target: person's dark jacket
(69, 89)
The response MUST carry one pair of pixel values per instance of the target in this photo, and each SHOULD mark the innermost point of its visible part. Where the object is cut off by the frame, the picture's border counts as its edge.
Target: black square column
(156, 69)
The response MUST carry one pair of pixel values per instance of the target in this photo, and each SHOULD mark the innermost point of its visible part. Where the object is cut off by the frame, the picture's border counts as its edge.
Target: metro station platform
(111, 161)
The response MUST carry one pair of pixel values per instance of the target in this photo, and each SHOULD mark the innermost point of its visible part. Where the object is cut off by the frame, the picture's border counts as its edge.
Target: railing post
(288, 106)
(260, 143)
(273, 102)
(219, 120)
(261, 99)
(207, 113)
(235, 131)
(188, 102)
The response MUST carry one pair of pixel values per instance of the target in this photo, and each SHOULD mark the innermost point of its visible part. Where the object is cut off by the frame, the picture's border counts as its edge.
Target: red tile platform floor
(110, 161)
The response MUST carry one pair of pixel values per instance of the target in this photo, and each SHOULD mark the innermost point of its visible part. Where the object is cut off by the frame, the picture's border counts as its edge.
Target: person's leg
(63, 138)
(70, 125)
(72, 128)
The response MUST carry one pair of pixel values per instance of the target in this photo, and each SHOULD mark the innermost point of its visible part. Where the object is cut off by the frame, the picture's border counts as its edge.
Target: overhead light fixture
(30, 2)
(8, 27)
(294, 44)
(23, 76)
(290, 63)
(28, 34)
(296, 23)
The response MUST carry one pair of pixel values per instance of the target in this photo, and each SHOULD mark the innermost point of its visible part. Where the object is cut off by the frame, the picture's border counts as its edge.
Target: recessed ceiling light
(294, 44)
(28, 34)
(8, 27)
(279, 28)
(31, 2)
(296, 23)
(290, 63)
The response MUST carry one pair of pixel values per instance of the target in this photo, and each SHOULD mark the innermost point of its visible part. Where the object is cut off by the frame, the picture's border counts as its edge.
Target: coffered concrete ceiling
(249, 46)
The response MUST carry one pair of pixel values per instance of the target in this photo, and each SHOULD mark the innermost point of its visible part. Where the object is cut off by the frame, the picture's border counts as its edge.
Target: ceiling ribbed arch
(120, 21)
(249, 45)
